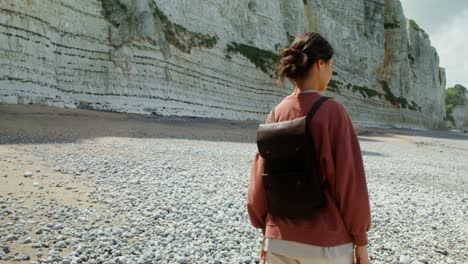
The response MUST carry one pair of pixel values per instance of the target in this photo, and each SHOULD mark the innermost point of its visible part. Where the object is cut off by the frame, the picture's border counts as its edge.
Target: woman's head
(307, 62)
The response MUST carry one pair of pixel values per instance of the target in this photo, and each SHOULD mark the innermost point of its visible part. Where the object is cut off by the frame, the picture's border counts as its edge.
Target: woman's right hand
(362, 256)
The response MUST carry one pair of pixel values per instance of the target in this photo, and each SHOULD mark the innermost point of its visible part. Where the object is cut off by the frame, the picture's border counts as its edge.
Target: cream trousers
(273, 258)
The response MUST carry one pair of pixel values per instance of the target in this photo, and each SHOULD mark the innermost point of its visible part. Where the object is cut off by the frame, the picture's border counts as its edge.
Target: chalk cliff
(213, 58)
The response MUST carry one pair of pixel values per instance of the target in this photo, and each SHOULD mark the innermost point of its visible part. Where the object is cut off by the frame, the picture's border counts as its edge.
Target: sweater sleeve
(256, 200)
(350, 192)
(256, 204)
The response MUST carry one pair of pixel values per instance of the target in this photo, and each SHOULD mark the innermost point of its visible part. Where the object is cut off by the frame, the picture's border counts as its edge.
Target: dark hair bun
(304, 51)
(294, 61)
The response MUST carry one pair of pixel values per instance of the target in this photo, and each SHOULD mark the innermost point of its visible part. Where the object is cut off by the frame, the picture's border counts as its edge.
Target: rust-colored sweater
(346, 216)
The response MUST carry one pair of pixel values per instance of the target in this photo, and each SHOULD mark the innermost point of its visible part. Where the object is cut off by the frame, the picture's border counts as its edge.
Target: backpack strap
(311, 112)
(314, 109)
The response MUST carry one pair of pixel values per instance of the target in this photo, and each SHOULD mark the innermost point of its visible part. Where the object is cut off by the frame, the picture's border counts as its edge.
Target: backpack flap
(282, 144)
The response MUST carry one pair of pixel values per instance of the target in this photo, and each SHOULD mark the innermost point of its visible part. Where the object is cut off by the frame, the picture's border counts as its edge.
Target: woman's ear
(320, 64)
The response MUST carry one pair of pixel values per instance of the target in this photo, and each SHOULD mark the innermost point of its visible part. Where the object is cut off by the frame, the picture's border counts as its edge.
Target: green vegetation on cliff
(179, 36)
(263, 59)
(454, 96)
(414, 25)
(366, 92)
(117, 12)
(113, 11)
(398, 101)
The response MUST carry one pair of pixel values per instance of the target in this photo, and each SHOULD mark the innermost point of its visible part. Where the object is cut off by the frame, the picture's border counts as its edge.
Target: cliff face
(213, 58)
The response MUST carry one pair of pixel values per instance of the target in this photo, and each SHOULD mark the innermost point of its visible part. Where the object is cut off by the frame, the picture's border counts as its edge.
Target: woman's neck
(305, 86)
(298, 90)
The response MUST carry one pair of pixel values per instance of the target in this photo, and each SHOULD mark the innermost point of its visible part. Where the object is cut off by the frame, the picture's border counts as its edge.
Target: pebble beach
(80, 186)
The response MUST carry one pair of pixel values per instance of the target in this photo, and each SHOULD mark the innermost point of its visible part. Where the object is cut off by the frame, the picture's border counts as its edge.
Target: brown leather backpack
(292, 174)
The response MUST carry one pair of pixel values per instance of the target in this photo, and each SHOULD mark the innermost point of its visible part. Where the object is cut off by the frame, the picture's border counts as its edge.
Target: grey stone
(11, 238)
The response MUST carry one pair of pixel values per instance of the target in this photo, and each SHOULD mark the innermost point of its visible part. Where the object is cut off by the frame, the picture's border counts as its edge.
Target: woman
(336, 233)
